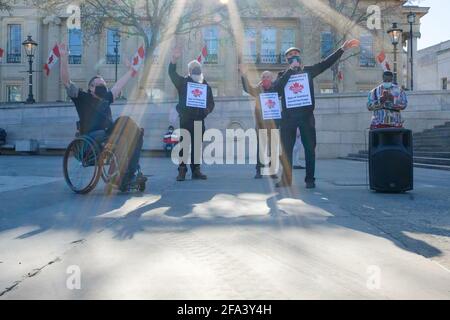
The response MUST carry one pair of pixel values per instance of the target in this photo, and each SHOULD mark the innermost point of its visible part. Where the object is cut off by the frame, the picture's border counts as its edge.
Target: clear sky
(435, 26)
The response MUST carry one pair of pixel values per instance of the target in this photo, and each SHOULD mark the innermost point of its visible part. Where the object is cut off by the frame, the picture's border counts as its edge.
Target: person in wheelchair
(94, 111)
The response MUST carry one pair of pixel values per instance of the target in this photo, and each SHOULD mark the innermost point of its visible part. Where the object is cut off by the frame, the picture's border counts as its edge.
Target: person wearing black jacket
(264, 86)
(296, 89)
(191, 108)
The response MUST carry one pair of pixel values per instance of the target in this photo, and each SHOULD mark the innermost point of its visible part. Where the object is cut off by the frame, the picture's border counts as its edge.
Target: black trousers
(188, 124)
(307, 125)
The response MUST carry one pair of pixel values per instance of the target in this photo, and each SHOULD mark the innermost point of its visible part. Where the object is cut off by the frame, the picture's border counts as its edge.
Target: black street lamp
(411, 21)
(30, 48)
(395, 33)
(116, 40)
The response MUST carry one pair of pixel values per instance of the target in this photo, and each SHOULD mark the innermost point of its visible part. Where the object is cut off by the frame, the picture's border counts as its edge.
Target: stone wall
(341, 120)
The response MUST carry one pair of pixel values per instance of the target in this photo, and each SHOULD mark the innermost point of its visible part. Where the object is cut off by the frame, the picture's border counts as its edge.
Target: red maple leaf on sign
(197, 93)
(296, 88)
(270, 103)
(135, 61)
(50, 60)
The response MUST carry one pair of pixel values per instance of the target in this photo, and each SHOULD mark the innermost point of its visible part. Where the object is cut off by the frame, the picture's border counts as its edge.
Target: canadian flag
(202, 57)
(381, 58)
(137, 60)
(52, 60)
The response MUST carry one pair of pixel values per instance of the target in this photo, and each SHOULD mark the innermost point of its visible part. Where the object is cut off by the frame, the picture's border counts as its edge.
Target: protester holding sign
(296, 88)
(267, 112)
(195, 103)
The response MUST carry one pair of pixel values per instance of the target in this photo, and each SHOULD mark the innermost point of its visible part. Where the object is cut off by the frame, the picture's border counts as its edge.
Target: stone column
(51, 83)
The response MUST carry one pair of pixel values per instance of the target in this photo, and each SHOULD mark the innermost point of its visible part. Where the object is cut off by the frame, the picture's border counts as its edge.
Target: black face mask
(196, 71)
(101, 91)
(294, 58)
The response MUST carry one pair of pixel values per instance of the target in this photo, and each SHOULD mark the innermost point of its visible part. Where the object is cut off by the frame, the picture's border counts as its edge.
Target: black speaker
(391, 160)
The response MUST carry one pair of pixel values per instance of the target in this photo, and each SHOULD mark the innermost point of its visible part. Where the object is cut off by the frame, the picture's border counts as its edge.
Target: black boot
(258, 173)
(198, 175)
(181, 173)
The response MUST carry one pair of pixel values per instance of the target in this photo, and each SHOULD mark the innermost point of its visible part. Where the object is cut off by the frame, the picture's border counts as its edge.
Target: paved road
(228, 237)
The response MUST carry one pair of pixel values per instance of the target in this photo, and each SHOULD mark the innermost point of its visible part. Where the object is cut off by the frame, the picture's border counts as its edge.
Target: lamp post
(395, 33)
(30, 48)
(116, 40)
(411, 21)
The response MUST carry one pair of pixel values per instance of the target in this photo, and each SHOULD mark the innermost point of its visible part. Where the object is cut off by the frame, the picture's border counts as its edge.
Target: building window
(287, 39)
(149, 33)
(14, 93)
(75, 46)
(444, 83)
(366, 57)
(14, 44)
(269, 45)
(110, 47)
(326, 44)
(250, 45)
(210, 36)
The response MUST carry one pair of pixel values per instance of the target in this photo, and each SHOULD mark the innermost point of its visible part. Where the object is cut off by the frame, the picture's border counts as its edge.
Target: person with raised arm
(195, 102)
(94, 110)
(296, 89)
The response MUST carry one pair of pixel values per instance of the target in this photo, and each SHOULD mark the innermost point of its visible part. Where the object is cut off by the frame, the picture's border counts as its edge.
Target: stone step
(431, 149)
(430, 154)
(429, 160)
(417, 165)
(417, 153)
(431, 166)
(433, 133)
(446, 125)
(431, 142)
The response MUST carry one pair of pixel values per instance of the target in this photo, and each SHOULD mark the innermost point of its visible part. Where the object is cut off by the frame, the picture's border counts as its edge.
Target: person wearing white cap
(295, 86)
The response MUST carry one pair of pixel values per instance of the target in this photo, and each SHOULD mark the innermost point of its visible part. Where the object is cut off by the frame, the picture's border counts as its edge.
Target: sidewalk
(228, 237)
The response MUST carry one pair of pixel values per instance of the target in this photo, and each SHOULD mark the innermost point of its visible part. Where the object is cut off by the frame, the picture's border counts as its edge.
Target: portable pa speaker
(391, 160)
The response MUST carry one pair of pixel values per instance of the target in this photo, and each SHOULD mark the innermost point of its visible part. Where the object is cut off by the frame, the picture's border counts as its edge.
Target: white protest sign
(270, 106)
(297, 92)
(196, 95)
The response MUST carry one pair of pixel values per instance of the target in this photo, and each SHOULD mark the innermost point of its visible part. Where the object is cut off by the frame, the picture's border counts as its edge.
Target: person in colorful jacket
(386, 101)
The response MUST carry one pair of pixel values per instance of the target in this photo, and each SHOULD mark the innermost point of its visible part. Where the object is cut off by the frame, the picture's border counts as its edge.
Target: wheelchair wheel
(110, 168)
(81, 170)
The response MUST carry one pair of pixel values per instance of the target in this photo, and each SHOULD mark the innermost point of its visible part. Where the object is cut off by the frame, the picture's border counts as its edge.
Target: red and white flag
(202, 57)
(137, 60)
(382, 60)
(1, 53)
(52, 60)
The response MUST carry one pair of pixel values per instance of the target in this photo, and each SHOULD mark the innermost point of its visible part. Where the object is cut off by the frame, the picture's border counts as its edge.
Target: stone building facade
(265, 37)
(433, 67)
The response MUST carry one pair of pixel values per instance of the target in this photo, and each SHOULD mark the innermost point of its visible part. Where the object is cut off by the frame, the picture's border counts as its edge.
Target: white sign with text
(297, 92)
(270, 105)
(196, 95)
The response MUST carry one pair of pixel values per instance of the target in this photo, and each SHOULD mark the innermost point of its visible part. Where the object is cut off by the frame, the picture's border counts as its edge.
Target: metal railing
(263, 58)
(212, 59)
(367, 62)
(13, 58)
(111, 59)
(75, 59)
